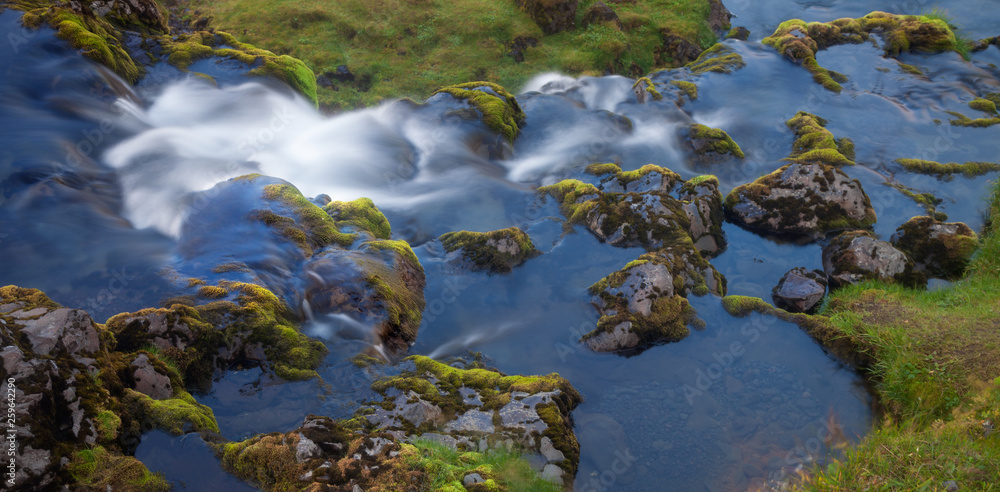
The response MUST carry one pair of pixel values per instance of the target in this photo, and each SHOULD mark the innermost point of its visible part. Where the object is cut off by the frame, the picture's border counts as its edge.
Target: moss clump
(719, 59)
(312, 227)
(184, 49)
(984, 105)
(499, 109)
(175, 415)
(212, 292)
(575, 198)
(495, 251)
(815, 144)
(398, 288)
(741, 306)
(602, 169)
(926, 200)
(969, 169)
(689, 89)
(910, 69)
(712, 144)
(987, 105)
(648, 86)
(98, 469)
(800, 41)
(362, 215)
(943, 250)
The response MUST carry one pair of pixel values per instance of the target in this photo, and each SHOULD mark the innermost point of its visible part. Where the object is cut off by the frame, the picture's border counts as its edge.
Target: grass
(410, 48)
(937, 373)
(445, 468)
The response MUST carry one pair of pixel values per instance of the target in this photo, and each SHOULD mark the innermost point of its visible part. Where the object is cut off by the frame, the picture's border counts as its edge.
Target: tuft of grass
(446, 467)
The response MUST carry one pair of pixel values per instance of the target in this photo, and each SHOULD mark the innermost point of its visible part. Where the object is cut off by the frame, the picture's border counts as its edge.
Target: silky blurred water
(106, 192)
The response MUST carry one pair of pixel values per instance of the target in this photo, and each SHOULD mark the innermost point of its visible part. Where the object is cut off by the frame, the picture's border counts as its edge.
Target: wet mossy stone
(800, 290)
(799, 41)
(711, 145)
(299, 220)
(498, 108)
(645, 91)
(815, 144)
(495, 251)
(689, 89)
(645, 304)
(942, 250)
(969, 169)
(857, 256)
(738, 32)
(360, 214)
(802, 200)
(718, 59)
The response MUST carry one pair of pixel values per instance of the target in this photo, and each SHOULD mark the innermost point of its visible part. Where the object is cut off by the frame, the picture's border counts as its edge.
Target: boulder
(718, 16)
(942, 250)
(148, 381)
(800, 290)
(599, 13)
(711, 145)
(495, 251)
(802, 199)
(856, 256)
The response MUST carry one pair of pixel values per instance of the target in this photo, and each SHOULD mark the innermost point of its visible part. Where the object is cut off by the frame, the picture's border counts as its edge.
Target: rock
(739, 32)
(942, 250)
(718, 16)
(599, 13)
(497, 107)
(495, 251)
(306, 450)
(950, 485)
(802, 199)
(645, 303)
(676, 49)
(711, 145)
(636, 208)
(553, 474)
(551, 15)
(472, 478)
(71, 330)
(815, 144)
(800, 290)
(550, 452)
(853, 257)
(148, 381)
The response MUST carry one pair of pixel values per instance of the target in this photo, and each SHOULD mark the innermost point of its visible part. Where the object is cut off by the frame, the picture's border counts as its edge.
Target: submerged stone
(856, 256)
(802, 199)
(497, 107)
(711, 145)
(942, 250)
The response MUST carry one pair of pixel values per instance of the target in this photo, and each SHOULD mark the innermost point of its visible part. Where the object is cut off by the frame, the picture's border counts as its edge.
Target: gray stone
(853, 257)
(472, 479)
(72, 328)
(553, 474)
(549, 451)
(472, 421)
(149, 382)
(800, 290)
(306, 449)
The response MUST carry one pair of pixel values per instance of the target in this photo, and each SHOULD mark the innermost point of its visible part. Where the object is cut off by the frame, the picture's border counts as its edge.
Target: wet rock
(497, 107)
(853, 257)
(637, 208)
(599, 13)
(495, 251)
(645, 303)
(711, 145)
(149, 382)
(942, 250)
(551, 15)
(717, 59)
(645, 91)
(800, 290)
(801, 199)
(739, 32)
(815, 144)
(69, 330)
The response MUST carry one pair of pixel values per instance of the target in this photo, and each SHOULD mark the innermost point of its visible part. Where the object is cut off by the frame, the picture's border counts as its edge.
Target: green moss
(312, 228)
(445, 468)
(626, 177)
(98, 469)
(174, 415)
(984, 105)
(361, 214)
(815, 144)
(499, 109)
(650, 88)
(574, 198)
(707, 140)
(602, 169)
(398, 287)
(32, 298)
(969, 169)
(926, 200)
(719, 59)
(703, 179)
(941, 255)
(212, 292)
(743, 305)
(800, 41)
(495, 251)
(910, 69)
(400, 247)
(689, 89)
(962, 120)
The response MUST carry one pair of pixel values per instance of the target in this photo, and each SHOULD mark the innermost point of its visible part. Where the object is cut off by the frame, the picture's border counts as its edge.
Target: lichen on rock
(495, 251)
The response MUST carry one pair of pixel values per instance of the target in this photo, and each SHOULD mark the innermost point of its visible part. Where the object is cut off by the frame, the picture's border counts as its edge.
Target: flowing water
(108, 190)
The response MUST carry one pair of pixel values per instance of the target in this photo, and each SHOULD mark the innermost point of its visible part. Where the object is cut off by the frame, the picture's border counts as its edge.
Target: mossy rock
(495, 251)
(362, 215)
(856, 256)
(99, 469)
(802, 200)
(644, 91)
(299, 220)
(717, 59)
(711, 145)
(800, 41)
(689, 89)
(815, 144)
(942, 250)
(498, 108)
(553, 16)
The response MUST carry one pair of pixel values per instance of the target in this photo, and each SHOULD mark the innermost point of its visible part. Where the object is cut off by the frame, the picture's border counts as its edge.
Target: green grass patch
(446, 467)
